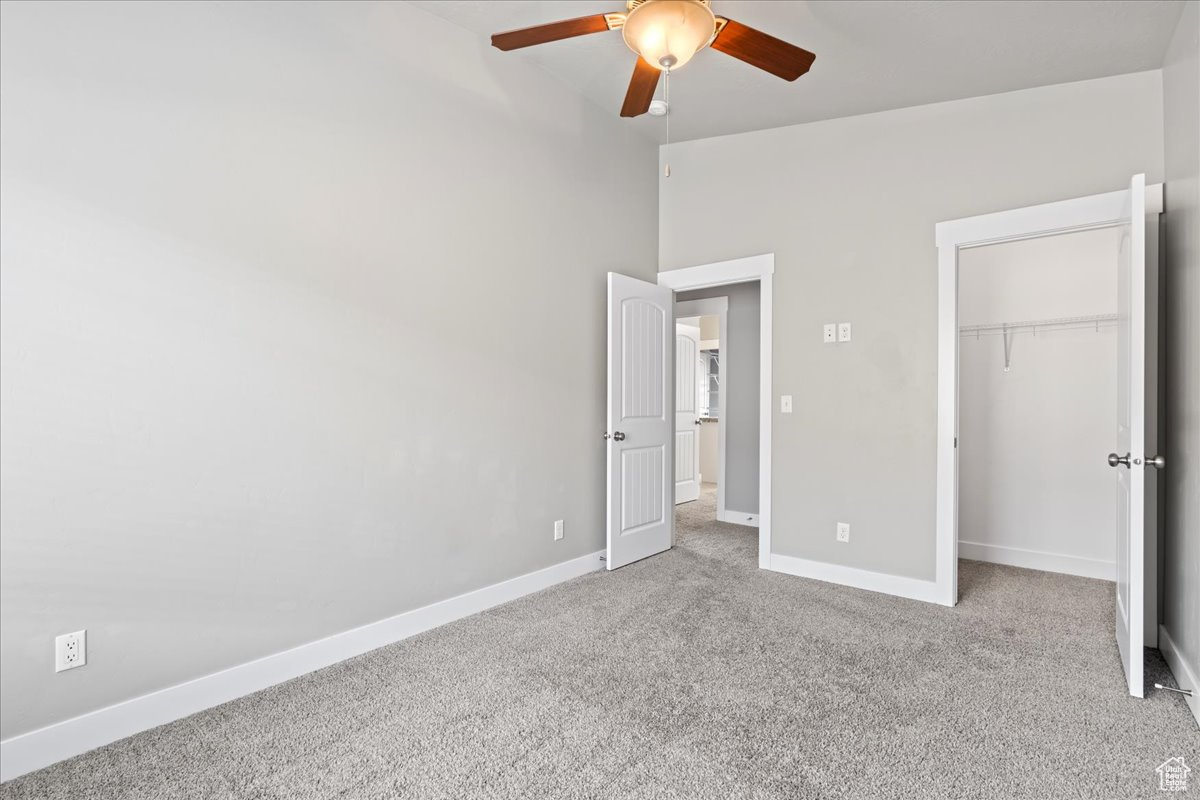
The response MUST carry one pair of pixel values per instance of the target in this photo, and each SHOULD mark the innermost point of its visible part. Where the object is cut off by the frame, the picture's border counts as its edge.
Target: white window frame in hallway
(716, 307)
(759, 268)
(1065, 216)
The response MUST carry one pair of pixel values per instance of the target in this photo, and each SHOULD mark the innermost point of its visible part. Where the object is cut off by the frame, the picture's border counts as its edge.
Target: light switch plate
(830, 333)
(558, 529)
(785, 404)
(843, 331)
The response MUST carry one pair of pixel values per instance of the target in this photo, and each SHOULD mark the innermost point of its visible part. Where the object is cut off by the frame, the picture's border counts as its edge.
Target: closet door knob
(1115, 460)
(618, 436)
(1158, 462)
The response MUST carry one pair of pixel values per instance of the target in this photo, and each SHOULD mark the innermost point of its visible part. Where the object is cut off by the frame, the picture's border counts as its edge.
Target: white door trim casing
(1081, 213)
(759, 268)
(718, 307)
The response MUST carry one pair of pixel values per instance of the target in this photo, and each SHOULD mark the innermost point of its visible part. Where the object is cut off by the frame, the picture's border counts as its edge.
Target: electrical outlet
(843, 331)
(70, 650)
(830, 333)
(843, 531)
(558, 529)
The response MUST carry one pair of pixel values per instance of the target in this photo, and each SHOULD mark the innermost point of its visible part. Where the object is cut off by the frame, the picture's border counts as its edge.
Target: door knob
(697, 422)
(607, 435)
(1158, 462)
(618, 436)
(1114, 459)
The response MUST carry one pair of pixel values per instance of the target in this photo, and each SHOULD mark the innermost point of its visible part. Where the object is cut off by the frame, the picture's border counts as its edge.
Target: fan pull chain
(667, 100)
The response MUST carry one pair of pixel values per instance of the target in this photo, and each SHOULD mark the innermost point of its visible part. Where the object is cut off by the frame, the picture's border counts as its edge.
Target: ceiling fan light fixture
(667, 33)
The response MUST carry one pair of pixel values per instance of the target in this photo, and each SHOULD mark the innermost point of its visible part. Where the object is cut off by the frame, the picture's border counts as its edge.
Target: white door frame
(1065, 216)
(723, 273)
(714, 307)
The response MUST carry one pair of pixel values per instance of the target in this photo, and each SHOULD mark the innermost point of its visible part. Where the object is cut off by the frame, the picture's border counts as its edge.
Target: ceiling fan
(666, 34)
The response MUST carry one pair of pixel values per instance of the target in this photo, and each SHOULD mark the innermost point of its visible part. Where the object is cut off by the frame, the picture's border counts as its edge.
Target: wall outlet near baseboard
(843, 531)
(70, 650)
(558, 529)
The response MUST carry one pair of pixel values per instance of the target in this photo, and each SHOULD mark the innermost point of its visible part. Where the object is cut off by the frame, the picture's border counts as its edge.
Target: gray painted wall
(252, 392)
(739, 365)
(1181, 228)
(848, 206)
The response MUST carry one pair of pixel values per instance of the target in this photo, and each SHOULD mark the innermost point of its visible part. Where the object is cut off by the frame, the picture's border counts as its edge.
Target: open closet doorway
(1037, 399)
(1019, 471)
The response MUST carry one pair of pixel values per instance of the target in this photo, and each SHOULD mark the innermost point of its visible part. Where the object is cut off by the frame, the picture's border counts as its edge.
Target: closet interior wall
(1037, 408)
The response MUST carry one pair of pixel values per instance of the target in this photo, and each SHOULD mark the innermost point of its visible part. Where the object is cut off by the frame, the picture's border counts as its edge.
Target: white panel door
(641, 419)
(687, 413)
(1131, 429)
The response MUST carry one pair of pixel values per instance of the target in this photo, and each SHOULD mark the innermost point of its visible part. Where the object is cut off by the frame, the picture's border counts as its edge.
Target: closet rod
(1038, 324)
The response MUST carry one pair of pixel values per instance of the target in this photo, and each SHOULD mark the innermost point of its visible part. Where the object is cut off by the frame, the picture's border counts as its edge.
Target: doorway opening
(717, 410)
(738, 294)
(981, 291)
(1037, 363)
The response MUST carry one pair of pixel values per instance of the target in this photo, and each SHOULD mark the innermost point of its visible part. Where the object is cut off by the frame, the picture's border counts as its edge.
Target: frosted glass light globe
(667, 33)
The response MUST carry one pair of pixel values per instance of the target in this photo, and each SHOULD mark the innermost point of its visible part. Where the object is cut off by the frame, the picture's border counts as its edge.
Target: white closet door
(1130, 458)
(640, 419)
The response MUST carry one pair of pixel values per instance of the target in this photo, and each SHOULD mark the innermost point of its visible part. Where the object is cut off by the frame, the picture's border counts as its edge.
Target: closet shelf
(1034, 325)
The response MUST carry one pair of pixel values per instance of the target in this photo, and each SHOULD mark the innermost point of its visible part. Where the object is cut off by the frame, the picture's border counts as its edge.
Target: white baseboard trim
(45, 746)
(1184, 674)
(738, 517)
(1037, 559)
(911, 588)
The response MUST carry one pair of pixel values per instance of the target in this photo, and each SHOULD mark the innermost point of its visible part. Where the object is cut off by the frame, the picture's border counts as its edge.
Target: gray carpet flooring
(692, 675)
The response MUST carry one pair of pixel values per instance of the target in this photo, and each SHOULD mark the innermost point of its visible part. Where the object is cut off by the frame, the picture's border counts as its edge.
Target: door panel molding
(639, 421)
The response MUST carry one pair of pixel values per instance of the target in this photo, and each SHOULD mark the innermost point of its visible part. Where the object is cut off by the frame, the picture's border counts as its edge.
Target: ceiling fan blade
(551, 32)
(641, 89)
(763, 51)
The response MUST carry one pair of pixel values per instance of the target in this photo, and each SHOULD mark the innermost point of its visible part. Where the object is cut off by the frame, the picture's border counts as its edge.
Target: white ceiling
(872, 55)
